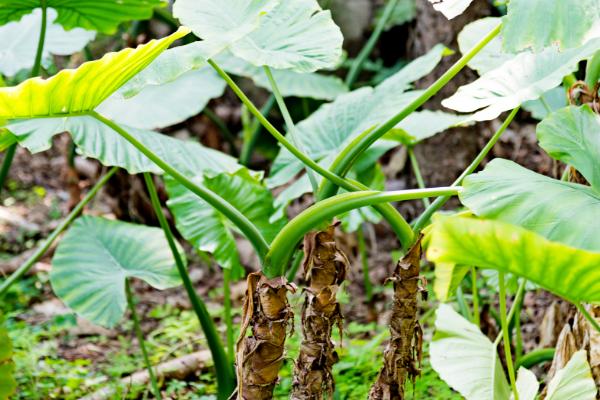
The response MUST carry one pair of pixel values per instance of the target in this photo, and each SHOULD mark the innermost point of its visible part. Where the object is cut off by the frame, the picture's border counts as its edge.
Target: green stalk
(233, 214)
(394, 218)
(439, 202)
(286, 240)
(35, 71)
(223, 365)
(26, 266)
(506, 336)
(535, 357)
(417, 171)
(362, 249)
(352, 151)
(140, 336)
(289, 122)
(475, 294)
(220, 124)
(256, 127)
(227, 313)
(581, 308)
(462, 304)
(298, 257)
(364, 54)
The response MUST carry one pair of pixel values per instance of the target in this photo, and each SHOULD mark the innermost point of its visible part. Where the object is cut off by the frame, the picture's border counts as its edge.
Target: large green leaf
(159, 106)
(296, 35)
(465, 358)
(8, 385)
(572, 135)
(557, 210)
(451, 8)
(525, 77)
(95, 15)
(569, 272)
(552, 100)
(492, 55)
(19, 41)
(83, 89)
(96, 257)
(537, 24)
(574, 381)
(96, 140)
(405, 11)
(207, 230)
(290, 83)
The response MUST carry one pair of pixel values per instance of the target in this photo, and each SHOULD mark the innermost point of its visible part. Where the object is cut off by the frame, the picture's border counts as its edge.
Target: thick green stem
(439, 202)
(289, 122)
(255, 129)
(285, 242)
(581, 308)
(362, 249)
(233, 214)
(394, 218)
(223, 365)
(352, 151)
(506, 336)
(364, 54)
(219, 123)
(417, 171)
(140, 336)
(227, 313)
(26, 266)
(475, 294)
(535, 357)
(35, 71)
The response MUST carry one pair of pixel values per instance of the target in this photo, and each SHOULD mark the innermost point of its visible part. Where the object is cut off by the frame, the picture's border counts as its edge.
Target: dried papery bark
(325, 268)
(259, 357)
(402, 356)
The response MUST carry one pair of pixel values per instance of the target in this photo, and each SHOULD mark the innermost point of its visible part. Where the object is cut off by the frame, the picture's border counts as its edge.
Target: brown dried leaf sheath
(325, 268)
(403, 353)
(260, 356)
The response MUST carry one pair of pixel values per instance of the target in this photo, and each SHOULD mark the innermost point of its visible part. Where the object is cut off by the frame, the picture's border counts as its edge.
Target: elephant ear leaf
(103, 16)
(8, 384)
(459, 347)
(568, 272)
(95, 258)
(296, 35)
(451, 8)
(81, 90)
(574, 381)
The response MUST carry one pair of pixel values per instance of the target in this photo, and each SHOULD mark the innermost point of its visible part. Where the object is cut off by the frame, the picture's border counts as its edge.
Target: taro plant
(520, 224)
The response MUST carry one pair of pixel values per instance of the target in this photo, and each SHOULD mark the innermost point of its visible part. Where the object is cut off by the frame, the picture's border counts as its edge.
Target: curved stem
(35, 71)
(233, 214)
(290, 124)
(223, 366)
(352, 151)
(506, 336)
(362, 249)
(140, 337)
(227, 313)
(394, 218)
(581, 308)
(285, 242)
(417, 171)
(26, 266)
(364, 54)
(439, 202)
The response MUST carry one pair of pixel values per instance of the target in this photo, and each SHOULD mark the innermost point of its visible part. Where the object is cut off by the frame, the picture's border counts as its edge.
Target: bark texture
(325, 268)
(260, 356)
(402, 356)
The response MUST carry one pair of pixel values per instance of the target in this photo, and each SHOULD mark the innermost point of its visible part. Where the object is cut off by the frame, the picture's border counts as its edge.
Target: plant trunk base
(325, 268)
(259, 357)
(402, 355)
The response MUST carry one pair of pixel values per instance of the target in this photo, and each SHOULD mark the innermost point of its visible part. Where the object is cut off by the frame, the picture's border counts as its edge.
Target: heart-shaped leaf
(465, 358)
(571, 135)
(451, 8)
(574, 381)
(207, 230)
(568, 272)
(95, 15)
(81, 90)
(96, 257)
(525, 77)
(536, 24)
(8, 384)
(295, 35)
(557, 210)
(19, 41)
